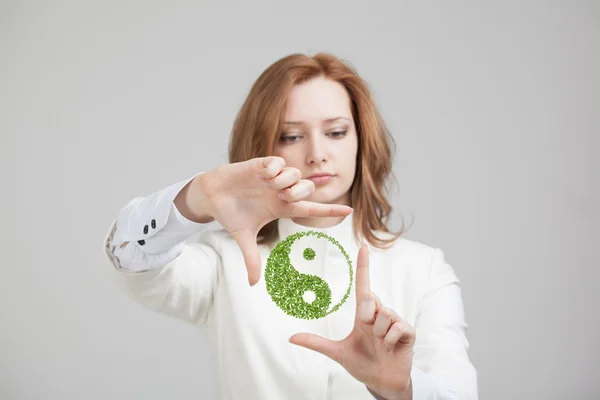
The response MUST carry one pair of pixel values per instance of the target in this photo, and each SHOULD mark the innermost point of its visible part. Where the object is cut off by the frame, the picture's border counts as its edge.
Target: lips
(320, 178)
(319, 175)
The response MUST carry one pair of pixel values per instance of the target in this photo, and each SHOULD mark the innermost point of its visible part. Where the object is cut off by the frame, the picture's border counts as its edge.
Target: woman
(309, 156)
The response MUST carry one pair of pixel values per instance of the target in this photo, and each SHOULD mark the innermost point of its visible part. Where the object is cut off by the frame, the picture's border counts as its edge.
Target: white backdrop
(494, 107)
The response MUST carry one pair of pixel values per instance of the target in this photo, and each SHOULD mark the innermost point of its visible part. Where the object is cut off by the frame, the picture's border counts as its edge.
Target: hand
(243, 197)
(379, 350)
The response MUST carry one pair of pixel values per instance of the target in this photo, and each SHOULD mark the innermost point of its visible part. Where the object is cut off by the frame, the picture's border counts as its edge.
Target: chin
(324, 196)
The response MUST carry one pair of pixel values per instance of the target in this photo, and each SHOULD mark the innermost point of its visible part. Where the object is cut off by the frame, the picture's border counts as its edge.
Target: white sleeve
(155, 229)
(441, 366)
(163, 273)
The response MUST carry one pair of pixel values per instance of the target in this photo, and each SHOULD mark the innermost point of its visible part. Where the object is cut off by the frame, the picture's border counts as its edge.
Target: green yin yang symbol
(287, 286)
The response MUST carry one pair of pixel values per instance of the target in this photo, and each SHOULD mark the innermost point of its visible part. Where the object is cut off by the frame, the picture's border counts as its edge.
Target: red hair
(260, 120)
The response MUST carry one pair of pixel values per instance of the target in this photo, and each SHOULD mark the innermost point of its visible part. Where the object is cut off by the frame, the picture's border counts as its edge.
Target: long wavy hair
(259, 122)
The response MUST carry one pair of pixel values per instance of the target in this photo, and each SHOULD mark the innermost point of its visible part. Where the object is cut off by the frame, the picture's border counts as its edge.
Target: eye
(337, 134)
(290, 138)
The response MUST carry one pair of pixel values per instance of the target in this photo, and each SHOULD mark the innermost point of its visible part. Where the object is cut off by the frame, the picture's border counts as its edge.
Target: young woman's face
(319, 137)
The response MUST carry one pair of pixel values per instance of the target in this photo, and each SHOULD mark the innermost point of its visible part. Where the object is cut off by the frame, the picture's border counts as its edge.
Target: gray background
(494, 106)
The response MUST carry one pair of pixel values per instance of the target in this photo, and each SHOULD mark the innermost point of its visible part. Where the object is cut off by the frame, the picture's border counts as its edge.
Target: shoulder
(405, 248)
(421, 260)
(417, 257)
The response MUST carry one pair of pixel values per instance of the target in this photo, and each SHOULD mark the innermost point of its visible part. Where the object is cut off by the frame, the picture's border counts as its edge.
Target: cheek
(292, 158)
(280, 151)
(350, 159)
(350, 168)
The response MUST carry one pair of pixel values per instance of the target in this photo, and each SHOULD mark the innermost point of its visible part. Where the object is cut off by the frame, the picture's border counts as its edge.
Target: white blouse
(202, 279)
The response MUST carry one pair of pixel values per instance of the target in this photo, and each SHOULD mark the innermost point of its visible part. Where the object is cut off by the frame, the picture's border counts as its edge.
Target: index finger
(363, 284)
(312, 209)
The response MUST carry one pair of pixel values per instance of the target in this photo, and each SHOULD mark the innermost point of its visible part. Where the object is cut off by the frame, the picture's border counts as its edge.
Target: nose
(317, 152)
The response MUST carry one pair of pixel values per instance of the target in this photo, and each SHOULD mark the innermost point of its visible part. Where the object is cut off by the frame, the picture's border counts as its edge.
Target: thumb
(246, 240)
(329, 348)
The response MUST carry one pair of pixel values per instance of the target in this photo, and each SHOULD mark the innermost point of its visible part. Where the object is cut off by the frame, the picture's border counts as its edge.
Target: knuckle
(398, 327)
(291, 174)
(296, 172)
(290, 195)
(304, 190)
(287, 175)
(308, 187)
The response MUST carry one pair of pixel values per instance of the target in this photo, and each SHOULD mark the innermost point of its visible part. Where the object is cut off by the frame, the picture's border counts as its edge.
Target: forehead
(317, 99)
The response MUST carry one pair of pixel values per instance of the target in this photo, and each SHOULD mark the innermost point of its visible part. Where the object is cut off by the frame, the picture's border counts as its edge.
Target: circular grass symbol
(289, 288)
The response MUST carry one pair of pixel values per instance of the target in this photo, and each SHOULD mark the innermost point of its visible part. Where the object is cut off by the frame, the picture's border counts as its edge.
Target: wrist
(193, 201)
(382, 394)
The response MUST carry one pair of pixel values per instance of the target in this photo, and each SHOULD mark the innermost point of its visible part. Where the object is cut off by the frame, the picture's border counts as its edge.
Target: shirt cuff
(154, 228)
(428, 386)
(176, 230)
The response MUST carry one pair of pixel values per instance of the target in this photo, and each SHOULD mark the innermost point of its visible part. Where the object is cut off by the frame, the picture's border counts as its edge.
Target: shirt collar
(343, 232)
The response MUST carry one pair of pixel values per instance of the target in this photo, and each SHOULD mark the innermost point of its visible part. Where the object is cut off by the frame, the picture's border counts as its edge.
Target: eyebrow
(327, 121)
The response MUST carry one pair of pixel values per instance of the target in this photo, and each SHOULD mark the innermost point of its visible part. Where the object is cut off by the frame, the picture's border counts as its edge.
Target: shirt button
(142, 242)
(153, 224)
(145, 229)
